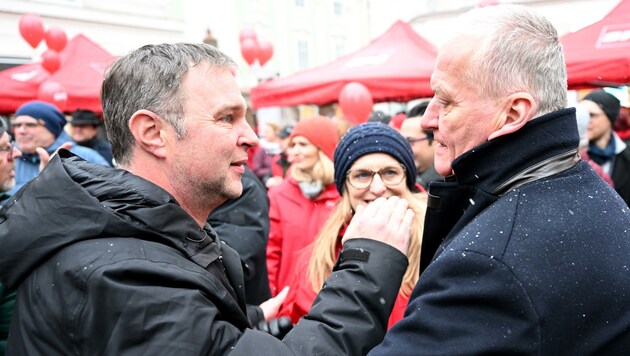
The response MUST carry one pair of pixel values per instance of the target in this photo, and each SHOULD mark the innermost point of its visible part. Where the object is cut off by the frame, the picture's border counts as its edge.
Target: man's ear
(148, 129)
(519, 109)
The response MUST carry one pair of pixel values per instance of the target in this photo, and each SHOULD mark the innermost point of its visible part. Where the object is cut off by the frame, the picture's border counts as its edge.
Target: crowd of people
(492, 218)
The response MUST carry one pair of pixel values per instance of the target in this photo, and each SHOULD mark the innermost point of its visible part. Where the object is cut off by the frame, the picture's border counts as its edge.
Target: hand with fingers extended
(44, 157)
(385, 219)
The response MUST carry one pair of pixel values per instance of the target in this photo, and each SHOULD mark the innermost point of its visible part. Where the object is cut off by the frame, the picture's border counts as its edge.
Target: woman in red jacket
(299, 206)
(372, 160)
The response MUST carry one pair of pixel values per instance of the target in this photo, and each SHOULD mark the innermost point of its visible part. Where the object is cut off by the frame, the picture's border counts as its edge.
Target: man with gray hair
(525, 248)
(122, 261)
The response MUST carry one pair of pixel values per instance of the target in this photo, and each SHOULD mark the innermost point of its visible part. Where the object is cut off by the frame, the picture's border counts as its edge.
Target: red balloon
(249, 50)
(246, 33)
(54, 93)
(51, 61)
(355, 100)
(265, 51)
(31, 29)
(56, 38)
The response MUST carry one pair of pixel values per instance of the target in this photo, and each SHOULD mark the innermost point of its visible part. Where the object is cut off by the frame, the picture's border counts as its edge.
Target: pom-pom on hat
(53, 119)
(607, 102)
(373, 137)
(320, 131)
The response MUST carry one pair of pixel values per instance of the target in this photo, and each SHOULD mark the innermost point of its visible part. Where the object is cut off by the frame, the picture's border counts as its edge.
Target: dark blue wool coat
(538, 265)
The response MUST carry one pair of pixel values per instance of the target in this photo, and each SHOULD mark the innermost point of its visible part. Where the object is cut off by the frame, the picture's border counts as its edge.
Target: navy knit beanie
(607, 102)
(372, 137)
(53, 119)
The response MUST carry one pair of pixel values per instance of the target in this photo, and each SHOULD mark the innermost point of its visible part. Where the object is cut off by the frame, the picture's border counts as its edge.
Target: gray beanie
(372, 137)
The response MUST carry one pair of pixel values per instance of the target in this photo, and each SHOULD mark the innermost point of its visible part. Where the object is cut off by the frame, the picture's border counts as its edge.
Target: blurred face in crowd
(31, 133)
(82, 133)
(303, 153)
(599, 126)
(270, 133)
(7, 155)
(210, 159)
(388, 182)
(421, 146)
(459, 117)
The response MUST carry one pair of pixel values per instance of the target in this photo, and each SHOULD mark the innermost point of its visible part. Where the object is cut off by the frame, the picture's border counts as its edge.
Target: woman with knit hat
(300, 205)
(372, 160)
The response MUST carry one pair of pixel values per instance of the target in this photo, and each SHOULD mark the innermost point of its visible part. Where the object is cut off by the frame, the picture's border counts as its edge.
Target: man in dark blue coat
(525, 248)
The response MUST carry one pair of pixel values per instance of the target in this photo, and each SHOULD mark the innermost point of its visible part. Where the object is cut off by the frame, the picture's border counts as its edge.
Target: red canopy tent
(396, 66)
(83, 63)
(599, 55)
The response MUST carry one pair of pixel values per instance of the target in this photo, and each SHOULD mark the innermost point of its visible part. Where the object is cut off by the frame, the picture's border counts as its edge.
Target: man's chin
(233, 192)
(443, 169)
(8, 185)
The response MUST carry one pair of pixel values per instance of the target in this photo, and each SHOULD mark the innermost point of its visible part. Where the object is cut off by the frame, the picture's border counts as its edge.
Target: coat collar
(545, 146)
(490, 165)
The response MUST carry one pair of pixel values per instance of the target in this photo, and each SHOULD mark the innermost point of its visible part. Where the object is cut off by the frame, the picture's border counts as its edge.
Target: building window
(299, 3)
(338, 7)
(302, 54)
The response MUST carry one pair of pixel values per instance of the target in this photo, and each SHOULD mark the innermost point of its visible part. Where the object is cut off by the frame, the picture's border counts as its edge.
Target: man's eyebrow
(230, 108)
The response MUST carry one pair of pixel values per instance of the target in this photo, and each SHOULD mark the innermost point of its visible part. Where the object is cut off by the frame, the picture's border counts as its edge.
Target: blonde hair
(323, 171)
(325, 246)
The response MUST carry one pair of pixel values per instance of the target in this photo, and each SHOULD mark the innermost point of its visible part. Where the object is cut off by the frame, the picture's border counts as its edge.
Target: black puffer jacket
(108, 263)
(243, 224)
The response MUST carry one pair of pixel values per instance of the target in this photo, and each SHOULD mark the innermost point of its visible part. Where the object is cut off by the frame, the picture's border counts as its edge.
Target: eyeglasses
(362, 178)
(8, 148)
(417, 139)
(27, 125)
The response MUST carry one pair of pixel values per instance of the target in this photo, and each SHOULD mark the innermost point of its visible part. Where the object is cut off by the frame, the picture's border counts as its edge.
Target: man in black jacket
(121, 261)
(525, 248)
(85, 133)
(243, 224)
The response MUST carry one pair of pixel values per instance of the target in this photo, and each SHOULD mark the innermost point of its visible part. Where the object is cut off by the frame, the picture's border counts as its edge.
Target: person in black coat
(243, 224)
(84, 132)
(605, 147)
(122, 261)
(525, 248)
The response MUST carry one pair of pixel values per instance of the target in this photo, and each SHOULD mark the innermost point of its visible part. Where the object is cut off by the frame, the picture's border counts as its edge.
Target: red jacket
(295, 221)
(301, 294)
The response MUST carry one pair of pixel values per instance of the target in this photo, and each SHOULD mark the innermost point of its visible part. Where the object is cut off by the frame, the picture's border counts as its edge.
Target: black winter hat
(372, 137)
(607, 102)
(84, 117)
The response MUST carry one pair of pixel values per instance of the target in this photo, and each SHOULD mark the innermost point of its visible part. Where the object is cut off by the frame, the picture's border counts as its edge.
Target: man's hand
(386, 219)
(44, 157)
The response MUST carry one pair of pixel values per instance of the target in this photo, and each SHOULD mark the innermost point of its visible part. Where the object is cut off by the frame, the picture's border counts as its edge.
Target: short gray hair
(150, 78)
(519, 50)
